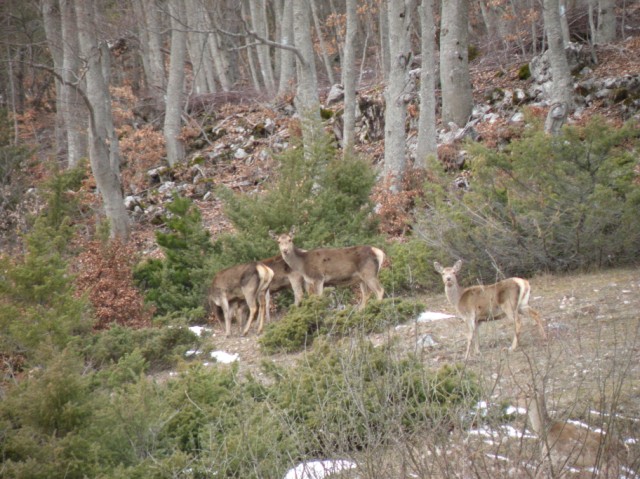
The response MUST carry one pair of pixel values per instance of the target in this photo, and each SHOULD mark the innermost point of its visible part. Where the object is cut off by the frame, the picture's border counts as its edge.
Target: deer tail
(380, 256)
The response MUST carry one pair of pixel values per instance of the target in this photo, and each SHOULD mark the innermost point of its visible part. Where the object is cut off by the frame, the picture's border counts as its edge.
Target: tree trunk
(104, 150)
(151, 41)
(203, 69)
(220, 57)
(385, 64)
(259, 23)
(77, 116)
(399, 18)
(52, 29)
(287, 60)
(457, 99)
(427, 136)
(606, 32)
(175, 86)
(562, 88)
(349, 77)
(323, 49)
(564, 23)
(307, 100)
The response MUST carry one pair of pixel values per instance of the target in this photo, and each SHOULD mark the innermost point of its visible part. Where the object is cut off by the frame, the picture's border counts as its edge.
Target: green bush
(410, 267)
(159, 348)
(325, 195)
(346, 399)
(176, 285)
(544, 203)
(318, 316)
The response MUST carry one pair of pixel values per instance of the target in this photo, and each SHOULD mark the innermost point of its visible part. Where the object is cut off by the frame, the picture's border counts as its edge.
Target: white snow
(224, 357)
(318, 469)
(429, 316)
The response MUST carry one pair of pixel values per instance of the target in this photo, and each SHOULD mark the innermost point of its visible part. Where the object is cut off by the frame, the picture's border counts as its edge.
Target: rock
(336, 94)
(240, 154)
(130, 202)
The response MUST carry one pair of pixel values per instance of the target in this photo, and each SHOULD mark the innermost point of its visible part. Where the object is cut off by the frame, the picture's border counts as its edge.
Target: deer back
(231, 281)
(341, 264)
(492, 300)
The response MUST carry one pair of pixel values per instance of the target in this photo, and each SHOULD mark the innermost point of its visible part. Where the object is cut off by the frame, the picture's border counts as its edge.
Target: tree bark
(457, 99)
(175, 86)
(220, 57)
(349, 78)
(607, 28)
(323, 48)
(399, 18)
(259, 23)
(77, 116)
(202, 64)
(52, 28)
(383, 18)
(427, 136)
(562, 88)
(149, 31)
(287, 60)
(307, 99)
(104, 145)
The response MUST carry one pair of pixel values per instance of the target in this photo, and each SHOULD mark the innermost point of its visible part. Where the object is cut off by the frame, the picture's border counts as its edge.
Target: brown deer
(336, 266)
(487, 302)
(284, 277)
(567, 445)
(247, 282)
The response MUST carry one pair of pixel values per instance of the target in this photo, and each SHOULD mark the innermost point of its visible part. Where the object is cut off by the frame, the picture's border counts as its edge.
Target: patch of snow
(318, 469)
(224, 357)
(198, 330)
(192, 352)
(427, 341)
(429, 316)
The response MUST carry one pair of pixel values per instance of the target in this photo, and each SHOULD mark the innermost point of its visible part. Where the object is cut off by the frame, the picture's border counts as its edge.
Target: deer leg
(517, 321)
(375, 286)
(365, 296)
(532, 313)
(227, 316)
(252, 302)
(262, 309)
(472, 336)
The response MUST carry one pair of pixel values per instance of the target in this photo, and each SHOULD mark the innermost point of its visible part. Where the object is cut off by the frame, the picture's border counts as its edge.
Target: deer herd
(249, 285)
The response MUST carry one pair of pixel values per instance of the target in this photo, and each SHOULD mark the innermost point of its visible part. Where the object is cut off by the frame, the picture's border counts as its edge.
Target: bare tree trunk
(104, 150)
(399, 18)
(52, 27)
(307, 100)
(323, 48)
(77, 117)
(384, 36)
(562, 88)
(287, 60)
(175, 86)
(220, 57)
(259, 22)
(564, 23)
(349, 78)
(457, 99)
(427, 136)
(606, 21)
(150, 31)
(198, 25)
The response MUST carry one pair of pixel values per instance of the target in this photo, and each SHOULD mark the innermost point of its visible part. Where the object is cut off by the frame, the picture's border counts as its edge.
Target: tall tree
(287, 59)
(307, 99)
(75, 111)
(258, 11)
(562, 85)
(427, 137)
(399, 18)
(457, 99)
(349, 77)
(150, 29)
(104, 151)
(197, 45)
(175, 86)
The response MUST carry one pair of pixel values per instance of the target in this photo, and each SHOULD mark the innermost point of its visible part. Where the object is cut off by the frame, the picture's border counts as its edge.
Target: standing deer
(284, 277)
(487, 302)
(567, 445)
(336, 266)
(248, 282)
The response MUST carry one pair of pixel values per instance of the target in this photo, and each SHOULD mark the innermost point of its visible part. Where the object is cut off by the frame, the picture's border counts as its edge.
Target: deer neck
(294, 258)
(453, 293)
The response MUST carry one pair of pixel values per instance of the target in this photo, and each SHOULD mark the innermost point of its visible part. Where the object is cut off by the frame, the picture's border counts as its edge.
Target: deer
(284, 277)
(567, 445)
(248, 282)
(480, 303)
(335, 266)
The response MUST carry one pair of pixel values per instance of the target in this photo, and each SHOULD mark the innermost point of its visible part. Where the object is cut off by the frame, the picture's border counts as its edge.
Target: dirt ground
(590, 362)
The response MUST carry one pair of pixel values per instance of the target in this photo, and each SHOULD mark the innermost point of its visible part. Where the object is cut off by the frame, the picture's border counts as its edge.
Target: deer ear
(437, 266)
(292, 231)
(272, 235)
(457, 266)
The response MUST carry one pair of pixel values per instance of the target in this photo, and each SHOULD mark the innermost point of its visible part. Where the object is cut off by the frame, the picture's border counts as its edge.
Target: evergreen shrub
(410, 267)
(176, 285)
(544, 203)
(322, 193)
